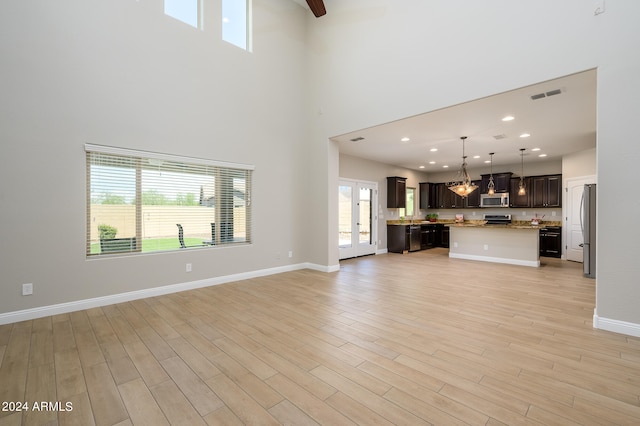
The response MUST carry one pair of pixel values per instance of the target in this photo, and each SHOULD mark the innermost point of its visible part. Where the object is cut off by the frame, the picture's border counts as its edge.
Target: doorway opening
(357, 218)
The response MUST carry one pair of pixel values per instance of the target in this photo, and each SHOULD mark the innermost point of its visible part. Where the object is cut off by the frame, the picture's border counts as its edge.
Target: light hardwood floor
(389, 339)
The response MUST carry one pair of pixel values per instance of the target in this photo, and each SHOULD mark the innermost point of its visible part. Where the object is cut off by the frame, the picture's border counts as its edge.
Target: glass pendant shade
(521, 188)
(492, 186)
(461, 184)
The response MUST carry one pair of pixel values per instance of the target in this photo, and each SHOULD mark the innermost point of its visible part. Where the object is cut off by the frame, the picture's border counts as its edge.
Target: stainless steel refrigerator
(588, 223)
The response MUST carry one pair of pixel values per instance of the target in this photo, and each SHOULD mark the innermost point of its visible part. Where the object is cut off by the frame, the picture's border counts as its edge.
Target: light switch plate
(27, 289)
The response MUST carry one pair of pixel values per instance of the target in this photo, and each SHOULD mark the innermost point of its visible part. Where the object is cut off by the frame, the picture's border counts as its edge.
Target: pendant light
(462, 185)
(521, 188)
(492, 186)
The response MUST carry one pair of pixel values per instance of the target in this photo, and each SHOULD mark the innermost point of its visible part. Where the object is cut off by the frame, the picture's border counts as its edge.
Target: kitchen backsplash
(545, 216)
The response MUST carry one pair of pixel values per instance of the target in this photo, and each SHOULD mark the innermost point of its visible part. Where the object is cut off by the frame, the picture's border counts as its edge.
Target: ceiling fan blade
(317, 7)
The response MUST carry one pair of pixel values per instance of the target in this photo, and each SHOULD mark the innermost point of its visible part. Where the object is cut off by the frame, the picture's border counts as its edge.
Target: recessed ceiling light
(535, 149)
(405, 139)
(433, 149)
(476, 156)
(487, 161)
(445, 167)
(421, 167)
(508, 118)
(432, 162)
(525, 135)
(542, 155)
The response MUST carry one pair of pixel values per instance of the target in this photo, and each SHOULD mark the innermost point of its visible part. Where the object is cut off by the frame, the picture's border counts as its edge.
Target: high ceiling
(558, 124)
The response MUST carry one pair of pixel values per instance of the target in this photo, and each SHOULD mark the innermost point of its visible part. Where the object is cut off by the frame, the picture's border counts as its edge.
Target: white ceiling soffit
(560, 116)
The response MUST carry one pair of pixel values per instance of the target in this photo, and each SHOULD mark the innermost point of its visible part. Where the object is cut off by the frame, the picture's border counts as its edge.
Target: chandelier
(461, 183)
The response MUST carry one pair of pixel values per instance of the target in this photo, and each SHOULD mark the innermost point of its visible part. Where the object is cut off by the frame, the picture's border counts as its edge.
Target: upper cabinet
(546, 191)
(425, 198)
(541, 191)
(473, 199)
(516, 200)
(396, 192)
(449, 199)
(501, 182)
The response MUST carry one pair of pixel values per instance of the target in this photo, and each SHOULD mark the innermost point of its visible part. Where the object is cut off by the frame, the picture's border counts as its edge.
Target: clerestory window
(236, 23)
(187, 11)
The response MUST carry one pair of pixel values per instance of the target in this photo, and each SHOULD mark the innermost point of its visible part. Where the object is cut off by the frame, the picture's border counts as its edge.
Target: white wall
(375, 61)
(579, 164)
(122, 73)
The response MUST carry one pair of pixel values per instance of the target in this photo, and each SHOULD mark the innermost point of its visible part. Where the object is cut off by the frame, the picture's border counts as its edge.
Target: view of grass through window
(139, 204)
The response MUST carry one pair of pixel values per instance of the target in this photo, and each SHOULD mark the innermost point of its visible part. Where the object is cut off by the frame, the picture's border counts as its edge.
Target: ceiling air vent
(546, 94)
(498, 137)
(359, 138)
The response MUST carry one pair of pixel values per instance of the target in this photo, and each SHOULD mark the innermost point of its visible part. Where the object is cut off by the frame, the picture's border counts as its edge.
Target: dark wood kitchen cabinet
(444, 237)
(436, 192)
(397, 238)
(546, 191)
(447, 199)
(516, 200)
(429, 236)
(425, 195)
(473, 199)
(501, 182)
(396, 192)
(400, 237)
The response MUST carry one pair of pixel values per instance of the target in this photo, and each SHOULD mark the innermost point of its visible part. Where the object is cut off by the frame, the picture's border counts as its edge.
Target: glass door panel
(356, 218)
(345, 216)
(364, 221)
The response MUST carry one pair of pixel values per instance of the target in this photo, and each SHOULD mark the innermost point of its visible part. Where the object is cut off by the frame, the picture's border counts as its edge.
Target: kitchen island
(512, 244)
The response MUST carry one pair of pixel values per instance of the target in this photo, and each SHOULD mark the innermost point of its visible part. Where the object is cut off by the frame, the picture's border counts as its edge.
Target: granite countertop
(516, 224)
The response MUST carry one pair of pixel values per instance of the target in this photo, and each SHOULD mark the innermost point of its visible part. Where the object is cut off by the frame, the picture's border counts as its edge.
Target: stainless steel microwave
(495, 200)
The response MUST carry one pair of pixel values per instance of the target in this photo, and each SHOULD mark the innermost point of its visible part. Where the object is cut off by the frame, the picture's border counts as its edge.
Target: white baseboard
(382, 251)
(616, 326)
(78, 305)
(533, 263)
(321, 268)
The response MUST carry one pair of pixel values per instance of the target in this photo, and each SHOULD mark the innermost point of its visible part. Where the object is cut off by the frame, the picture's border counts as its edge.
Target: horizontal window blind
(144, 202)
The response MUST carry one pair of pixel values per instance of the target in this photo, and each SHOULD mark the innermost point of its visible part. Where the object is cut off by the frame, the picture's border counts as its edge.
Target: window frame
(224, 177)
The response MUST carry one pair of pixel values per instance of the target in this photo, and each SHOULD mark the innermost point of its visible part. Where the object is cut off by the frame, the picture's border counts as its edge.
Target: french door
(357, 218)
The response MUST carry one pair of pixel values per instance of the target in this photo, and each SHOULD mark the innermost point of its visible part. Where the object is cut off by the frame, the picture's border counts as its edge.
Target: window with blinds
(146, 202)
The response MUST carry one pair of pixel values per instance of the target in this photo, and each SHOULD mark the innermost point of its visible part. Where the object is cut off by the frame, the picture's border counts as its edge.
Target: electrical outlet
(486, 246)
(290, 254)
(27, 289)
(188, 267)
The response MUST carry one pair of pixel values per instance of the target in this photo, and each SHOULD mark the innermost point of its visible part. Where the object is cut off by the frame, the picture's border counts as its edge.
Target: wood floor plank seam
(388, 339)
